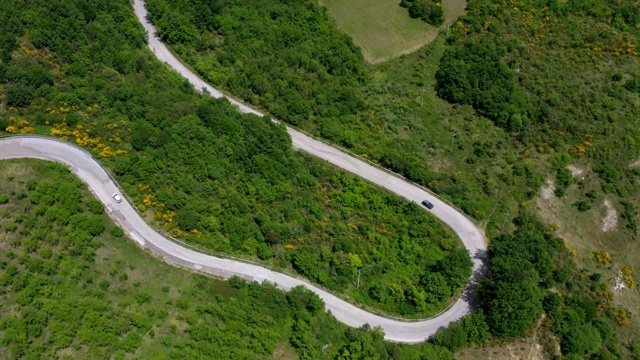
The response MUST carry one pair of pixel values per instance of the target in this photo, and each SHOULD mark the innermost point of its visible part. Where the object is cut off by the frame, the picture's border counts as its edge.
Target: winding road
(83, 165)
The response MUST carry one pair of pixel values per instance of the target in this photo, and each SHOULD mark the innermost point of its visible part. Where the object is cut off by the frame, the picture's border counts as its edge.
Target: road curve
(472, 237)
(103, 186)
(467, 230)
(83, 165)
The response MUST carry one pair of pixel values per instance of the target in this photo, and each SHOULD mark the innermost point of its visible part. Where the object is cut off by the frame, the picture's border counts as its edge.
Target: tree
(551, 302)
(355, 263)
(606, 330)
(302, 337)
(511, 297)
(633, 84)
(475, 74)
(581, 340)
(19, 95)
(188, 219)
(456, 267)
(428, 11)
(436, 287)
(299, 298)
(453, 337)
(361, 347)
(8, 43)
(476, 327)
(143, 135)
(565, 321)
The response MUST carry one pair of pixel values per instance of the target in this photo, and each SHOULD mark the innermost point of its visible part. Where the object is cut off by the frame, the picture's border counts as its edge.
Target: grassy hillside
(383, 30)
(225, 182)
(73, 287)
(521, 96)
(526, 105)
(479, 152)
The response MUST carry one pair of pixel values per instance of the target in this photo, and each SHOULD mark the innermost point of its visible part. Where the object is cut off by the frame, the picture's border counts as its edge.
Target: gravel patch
(610, 220)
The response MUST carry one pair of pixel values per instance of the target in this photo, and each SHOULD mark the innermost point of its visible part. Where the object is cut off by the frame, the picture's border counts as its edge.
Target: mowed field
(383, 29)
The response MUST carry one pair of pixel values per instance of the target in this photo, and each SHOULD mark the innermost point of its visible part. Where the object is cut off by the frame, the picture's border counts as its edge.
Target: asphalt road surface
(90, 171)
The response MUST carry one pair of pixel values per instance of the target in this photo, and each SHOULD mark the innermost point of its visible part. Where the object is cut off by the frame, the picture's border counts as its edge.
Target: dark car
(427, 204)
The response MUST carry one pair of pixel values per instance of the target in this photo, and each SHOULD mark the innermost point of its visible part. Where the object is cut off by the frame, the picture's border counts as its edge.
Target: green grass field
(383, 29)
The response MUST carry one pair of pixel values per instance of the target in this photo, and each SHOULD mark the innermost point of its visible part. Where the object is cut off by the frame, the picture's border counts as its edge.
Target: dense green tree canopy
(531, 273)
(429, 11)
(65, 64)
(300, 69)
(512, 298)
(475, 74)
(227, 182)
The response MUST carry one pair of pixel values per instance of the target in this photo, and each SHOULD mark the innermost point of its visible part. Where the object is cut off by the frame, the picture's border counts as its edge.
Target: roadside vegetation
(395, 118)
(225, 182)
(387, 113)
(72, 286)
(508, 103)
(536, 286)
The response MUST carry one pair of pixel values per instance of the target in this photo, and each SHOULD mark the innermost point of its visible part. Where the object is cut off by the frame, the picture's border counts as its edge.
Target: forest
(515, 94)
(230, 183)
(225, 182)
(302, 68)
(73, 286)
(482, 65)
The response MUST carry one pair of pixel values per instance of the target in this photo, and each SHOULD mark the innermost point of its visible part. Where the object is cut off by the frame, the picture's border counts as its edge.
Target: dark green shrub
(19, 95)
(582, 205)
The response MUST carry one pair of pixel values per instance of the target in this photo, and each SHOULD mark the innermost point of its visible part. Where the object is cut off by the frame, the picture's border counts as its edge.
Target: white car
(117, 197)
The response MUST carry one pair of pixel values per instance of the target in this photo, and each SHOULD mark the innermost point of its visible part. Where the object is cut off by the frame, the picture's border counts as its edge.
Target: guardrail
(222, 255)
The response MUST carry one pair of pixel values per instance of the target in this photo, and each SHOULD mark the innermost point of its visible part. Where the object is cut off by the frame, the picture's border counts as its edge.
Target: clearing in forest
(383, 29)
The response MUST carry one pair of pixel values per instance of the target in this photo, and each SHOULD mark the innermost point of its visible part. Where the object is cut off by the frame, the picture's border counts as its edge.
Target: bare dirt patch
(619, 285)
(525, 349)
(610, 221)
(635, 164)
(557, 211)
(66, 352)
(547, 191)
(575, 170)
